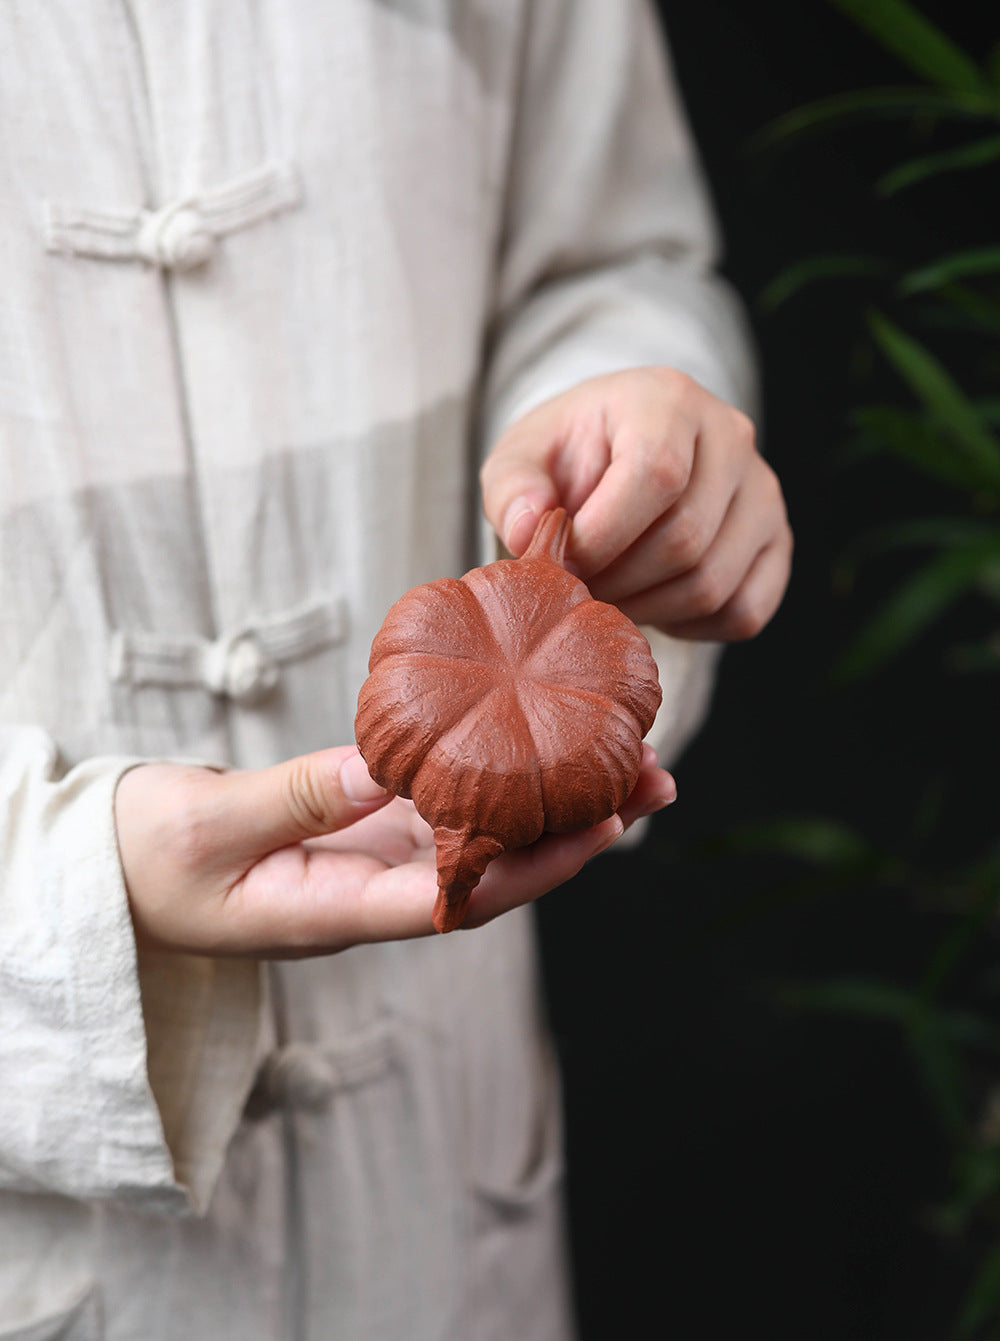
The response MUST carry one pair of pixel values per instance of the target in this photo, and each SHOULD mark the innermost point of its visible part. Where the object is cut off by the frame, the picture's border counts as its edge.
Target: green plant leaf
(993, 65)
(982, 874)
(814, 885)
(979, 261)
(914, 606)
(934, 386)
(988, 580)
(853, 996)
(979, 312)
(950, 950)
(915, 438)
(928, 532)
(863, 103)
(814, 839)
(982, 1303)
(901, 29)
(974, 658)
(962, 159)
(930, 1036)
(976, 1178)
(811, 268)
(933, 1035)
(879, 1000)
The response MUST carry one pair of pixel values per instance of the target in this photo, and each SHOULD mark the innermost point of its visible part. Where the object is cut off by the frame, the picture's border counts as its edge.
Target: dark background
(735, 1164)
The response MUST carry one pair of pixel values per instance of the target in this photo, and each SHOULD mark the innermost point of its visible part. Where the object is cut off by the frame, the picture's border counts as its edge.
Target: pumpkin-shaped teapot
(506, 703)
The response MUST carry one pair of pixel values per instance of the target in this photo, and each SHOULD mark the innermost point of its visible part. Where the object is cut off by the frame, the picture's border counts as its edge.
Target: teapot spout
(551, 537)
(462, 857)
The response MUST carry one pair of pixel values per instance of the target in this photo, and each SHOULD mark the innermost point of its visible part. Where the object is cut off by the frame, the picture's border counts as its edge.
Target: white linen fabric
(274, 273)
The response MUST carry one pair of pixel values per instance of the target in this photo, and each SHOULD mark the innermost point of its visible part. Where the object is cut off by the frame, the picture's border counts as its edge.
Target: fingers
(595, 450)
(223, 863)
(737, 584)
(678, 539)
(676, 467)
(652, 459)
(654, 789)
(517, 478)
(646, 462)
(749, 609)
(302, 798)
(302, 901)
(526, 874)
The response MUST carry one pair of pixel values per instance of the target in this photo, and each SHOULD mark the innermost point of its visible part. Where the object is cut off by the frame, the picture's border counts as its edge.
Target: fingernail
(518, 509)
(616, 829)
(658, 803)
(356, 782)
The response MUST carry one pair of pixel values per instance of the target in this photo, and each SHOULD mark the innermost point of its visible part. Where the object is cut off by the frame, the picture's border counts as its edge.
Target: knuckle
(774, 497)
(667, 471)
(688, 538)
(679, 386)
(309, 802)
(744, 430)
(488, 470)
(745, 620)
(707, 593)
(772, 487)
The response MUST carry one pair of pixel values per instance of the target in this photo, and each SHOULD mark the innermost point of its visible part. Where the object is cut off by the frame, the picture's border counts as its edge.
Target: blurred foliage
(939, 427)
(932, 335)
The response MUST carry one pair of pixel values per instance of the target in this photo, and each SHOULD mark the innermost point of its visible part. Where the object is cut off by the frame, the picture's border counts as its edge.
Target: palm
(213, 865)
(375, 880)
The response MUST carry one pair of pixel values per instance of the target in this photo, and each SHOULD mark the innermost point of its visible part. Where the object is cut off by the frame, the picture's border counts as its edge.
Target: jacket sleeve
(608, 250)
(122, 1074)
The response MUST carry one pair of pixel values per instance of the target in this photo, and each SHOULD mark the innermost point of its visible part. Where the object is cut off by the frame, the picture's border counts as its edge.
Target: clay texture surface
(506, 703)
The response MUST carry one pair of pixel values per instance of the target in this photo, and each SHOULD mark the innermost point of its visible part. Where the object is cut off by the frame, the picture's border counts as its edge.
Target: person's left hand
(677, 519)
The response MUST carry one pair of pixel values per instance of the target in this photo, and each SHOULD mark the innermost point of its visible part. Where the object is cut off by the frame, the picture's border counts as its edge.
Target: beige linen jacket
(273, 273)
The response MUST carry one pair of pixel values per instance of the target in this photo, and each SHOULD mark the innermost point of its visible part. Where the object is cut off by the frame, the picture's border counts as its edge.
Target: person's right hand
(311, 856)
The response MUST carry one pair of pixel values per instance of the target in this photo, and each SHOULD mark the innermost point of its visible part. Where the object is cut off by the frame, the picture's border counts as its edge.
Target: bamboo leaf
(860, 104)
(975, 658)
(957, 941)
(984, 871)
(813, 839)
(937, 317)
(811, 268)
(816, 884)
(934, 386)
(977, 1178)
(981, 313)
(931, 532)
(878, 1000)
(914, 606)
(979, 261)
(917, 440)
(967, 156)
(901, 29)
(988, 579)
(853, 996)
(938, 1060)
(982, 1303)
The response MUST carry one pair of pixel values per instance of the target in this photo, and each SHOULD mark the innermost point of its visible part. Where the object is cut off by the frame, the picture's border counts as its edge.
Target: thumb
(516, 481)
(305, 797)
